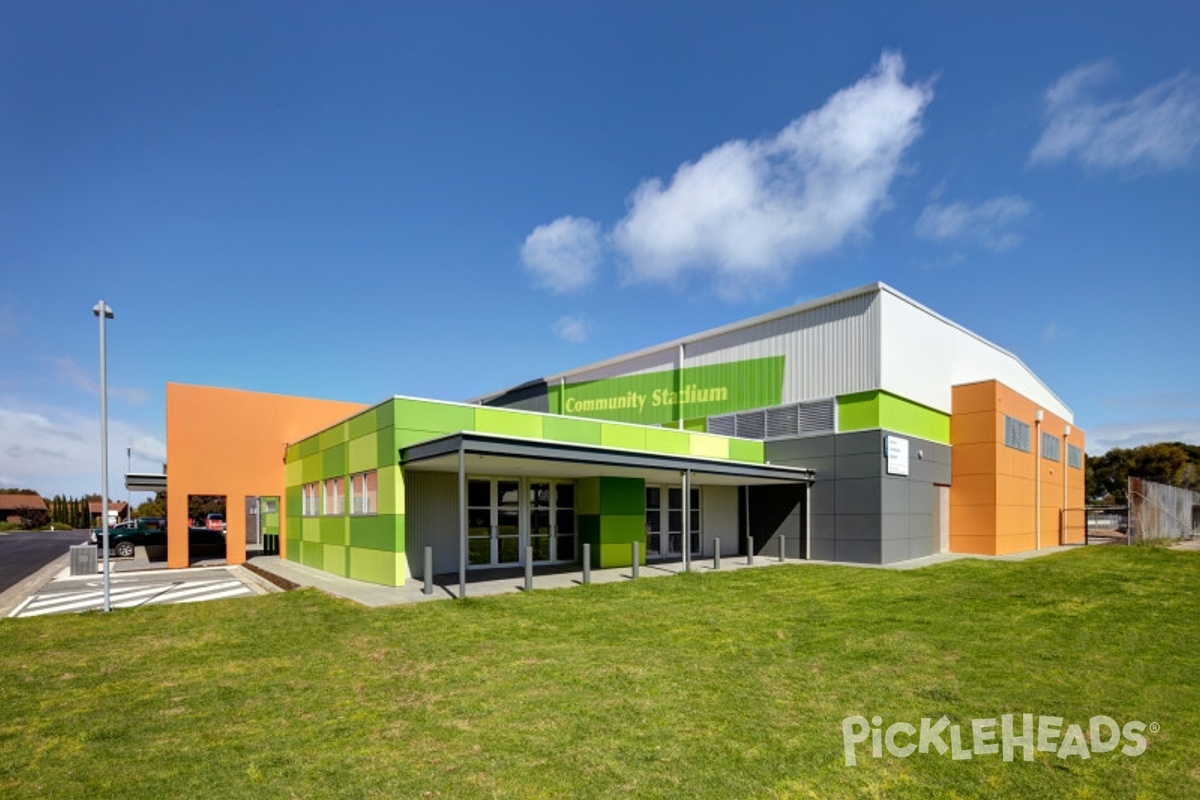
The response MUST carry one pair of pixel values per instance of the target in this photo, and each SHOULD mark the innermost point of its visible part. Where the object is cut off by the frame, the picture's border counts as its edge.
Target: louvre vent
(816, 417)
(781, 422)
(724, 426)
(752, 425)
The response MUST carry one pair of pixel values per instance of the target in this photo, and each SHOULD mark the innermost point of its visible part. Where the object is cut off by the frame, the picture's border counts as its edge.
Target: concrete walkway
(484, 583)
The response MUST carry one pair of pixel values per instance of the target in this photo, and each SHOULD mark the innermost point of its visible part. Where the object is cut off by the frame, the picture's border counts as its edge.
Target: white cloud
(68, 372)
(59, 451)
(749, 210)
(572, 328)
(563, 255)
(1159, 129)
(990, 224)
(1102, 438)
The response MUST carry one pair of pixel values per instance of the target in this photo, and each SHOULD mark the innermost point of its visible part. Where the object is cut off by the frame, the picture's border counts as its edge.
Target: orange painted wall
(993, 506)
(231, 442)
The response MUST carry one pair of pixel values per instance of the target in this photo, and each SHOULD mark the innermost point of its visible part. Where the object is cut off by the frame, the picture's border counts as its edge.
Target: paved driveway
(23, 553)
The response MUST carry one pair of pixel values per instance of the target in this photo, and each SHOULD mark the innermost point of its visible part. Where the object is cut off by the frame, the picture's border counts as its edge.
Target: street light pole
(102, 311)
(128, 493)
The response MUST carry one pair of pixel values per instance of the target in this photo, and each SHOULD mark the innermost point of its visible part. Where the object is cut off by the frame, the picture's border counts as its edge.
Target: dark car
(124, 537)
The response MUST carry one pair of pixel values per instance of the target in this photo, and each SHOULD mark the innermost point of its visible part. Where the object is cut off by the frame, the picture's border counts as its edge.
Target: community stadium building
(861, 427)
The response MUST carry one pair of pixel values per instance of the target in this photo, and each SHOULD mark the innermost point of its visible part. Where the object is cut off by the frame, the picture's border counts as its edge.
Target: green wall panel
(386, 454)
(308, 447)
(746, 450)
(587, 496)
(334, 557)
(333, 530)
(431, 416)
(368, 421)
(575, 431)
(610, 556)
(390, 488)
(877, 409)
(333, 461)
(664, 441)
(619, 528)
(508, 423)
(310, 529)
(380, 532)
(312, 555)
(333, 436)
(628, 437)
(291, 454)
(373, 566)
(311, 468)
(623, 496)
(699, 425)
(363, 453)
(294, 503)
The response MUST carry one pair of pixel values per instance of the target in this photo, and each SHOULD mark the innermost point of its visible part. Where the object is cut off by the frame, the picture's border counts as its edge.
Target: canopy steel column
(687, 520)
(462, 523)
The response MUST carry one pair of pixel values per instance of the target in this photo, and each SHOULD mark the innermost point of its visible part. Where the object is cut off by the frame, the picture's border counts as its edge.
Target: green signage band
(654, 398)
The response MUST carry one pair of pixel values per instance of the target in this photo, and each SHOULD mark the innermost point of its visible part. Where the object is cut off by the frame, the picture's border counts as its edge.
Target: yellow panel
(707, 446)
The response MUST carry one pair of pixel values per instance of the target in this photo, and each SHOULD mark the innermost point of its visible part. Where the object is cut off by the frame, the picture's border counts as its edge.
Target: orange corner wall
(994, 488)
(231, 442)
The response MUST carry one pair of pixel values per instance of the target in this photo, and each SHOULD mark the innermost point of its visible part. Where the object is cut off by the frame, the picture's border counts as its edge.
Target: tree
(1172, 463)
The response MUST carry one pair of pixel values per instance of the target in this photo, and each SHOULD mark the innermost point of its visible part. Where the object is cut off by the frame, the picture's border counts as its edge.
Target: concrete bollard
(749, 549)
(716, 553)
(636, 559)
(782, 551)
(529, 569)
(428, 570)
(587, 563)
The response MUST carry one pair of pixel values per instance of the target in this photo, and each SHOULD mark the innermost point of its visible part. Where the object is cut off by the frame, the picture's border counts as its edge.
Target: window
(1074, 457)
(363, 493)
(664, 525)
(1016, 434)
(312, 494)
(335, 490)
(1051, 447)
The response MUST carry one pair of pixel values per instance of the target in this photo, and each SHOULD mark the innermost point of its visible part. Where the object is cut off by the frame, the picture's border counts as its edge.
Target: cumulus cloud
(1158, 129)
(752, 209)
(58, 451)
(563, 255)
(990, 224)
(573, 328)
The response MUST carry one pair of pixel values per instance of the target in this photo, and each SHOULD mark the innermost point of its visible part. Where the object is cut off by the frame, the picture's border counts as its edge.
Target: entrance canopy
(492, 454)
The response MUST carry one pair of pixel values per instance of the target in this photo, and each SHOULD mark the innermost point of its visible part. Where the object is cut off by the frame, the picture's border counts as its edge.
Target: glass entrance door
(664, 522)
(504, 516)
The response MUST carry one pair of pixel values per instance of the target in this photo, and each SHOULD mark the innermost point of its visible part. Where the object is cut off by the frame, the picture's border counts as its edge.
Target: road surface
(23, 553)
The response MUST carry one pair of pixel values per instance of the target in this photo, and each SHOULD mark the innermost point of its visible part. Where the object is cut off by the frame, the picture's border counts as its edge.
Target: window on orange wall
(335, 490)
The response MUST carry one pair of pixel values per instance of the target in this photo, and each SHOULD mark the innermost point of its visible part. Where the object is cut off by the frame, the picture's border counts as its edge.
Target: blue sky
(356, 200)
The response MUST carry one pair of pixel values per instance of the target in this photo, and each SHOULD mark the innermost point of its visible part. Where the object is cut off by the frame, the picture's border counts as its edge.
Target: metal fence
(1158, 511)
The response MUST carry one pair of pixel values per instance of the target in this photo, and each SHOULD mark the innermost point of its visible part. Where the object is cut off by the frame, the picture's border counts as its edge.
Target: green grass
(722, 686)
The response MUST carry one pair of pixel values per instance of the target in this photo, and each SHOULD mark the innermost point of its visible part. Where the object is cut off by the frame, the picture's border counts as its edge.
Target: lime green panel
(746, 450)
(699, 425)
(336, 435)
(312, 554)
(426, 415)
(333, 461)
(293, 473)
(623, 496)
(335, 559)
(508, 423)
(654, 397)
(406, 437)
(308, 447)
(333, 530)
(575, 431)
(311, 468)
(628, 437)
(660, 440)
(707, 446)
(381, 532)
(295, 501)
(390, 487)
(270, 519)
(857, 412)
(554, 399)
(611, 556)
(363, 453)
(373, 566)
(369, 420)
(905, 416)
(291, 453)
(587, 496)
(310, 529)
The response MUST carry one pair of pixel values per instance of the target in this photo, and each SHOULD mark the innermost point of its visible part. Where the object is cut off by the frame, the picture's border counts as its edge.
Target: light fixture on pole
(102, 311)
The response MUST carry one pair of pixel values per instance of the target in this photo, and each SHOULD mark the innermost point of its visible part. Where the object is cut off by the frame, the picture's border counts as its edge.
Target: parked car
(215, 522)
(124, 537)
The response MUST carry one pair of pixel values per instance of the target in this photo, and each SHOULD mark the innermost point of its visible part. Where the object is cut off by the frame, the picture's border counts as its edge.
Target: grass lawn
(724, 686)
